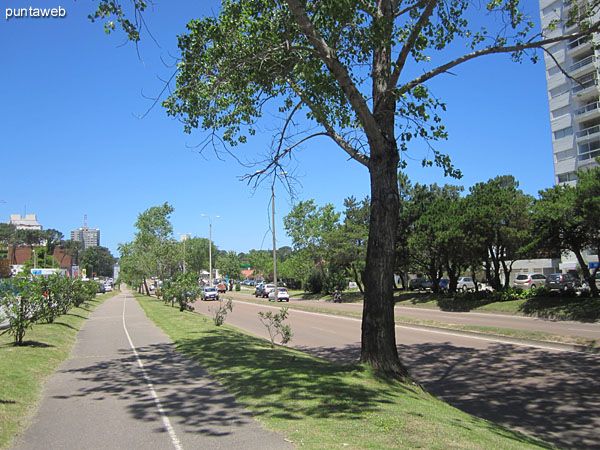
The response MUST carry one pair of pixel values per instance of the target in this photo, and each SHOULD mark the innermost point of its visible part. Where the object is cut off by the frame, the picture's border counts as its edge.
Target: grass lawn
(321, 405)
(25, 368)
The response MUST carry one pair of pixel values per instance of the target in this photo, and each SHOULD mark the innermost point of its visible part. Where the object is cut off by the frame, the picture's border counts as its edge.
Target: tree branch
(339, 71)
(489, 51)
(410, 42)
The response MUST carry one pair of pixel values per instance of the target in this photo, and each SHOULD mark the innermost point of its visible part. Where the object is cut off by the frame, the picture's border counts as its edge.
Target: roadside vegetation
(24, 368)
(319, 404)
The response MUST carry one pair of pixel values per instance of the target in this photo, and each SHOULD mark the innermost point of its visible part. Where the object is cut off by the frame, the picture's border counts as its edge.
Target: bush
(20, 304)
(335, 281)
(314, 283)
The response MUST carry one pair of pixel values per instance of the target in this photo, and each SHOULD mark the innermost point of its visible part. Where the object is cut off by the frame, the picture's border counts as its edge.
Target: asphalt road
(546, 393)
(565, 328)
(125, 387)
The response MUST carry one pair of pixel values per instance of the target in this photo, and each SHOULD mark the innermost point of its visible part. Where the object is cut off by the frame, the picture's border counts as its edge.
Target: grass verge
(25, 368)
(322, 405)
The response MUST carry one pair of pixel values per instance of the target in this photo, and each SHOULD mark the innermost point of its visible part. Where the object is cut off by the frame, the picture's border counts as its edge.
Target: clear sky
(72, 143)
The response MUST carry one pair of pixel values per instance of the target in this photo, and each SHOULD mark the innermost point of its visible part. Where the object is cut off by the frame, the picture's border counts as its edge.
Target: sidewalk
(102, 398)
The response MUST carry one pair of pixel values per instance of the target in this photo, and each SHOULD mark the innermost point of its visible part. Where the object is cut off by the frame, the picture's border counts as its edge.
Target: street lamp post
(276, 290)
(184, 237)
(210, 270)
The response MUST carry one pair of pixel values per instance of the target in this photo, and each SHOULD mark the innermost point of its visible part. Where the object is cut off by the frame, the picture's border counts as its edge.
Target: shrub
(220, 312)
(275, 326)
(314, 283)
(21, 305)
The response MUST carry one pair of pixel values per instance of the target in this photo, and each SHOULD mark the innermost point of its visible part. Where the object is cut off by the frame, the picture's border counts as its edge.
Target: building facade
(89, 237)
(573, 94)
(27, 222)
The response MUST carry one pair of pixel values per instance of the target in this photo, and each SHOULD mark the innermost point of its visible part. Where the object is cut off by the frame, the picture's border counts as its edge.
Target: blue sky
(73, 145)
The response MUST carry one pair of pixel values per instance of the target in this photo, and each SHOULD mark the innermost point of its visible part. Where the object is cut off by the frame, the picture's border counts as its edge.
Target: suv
(209, 293)
(529, 281)
(465, 284)
(418, 284)
(562, 282)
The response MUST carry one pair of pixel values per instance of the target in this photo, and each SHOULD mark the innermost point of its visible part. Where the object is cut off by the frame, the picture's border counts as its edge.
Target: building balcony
(588, 133)
(579, 46)
(585, 86)
(587, 112)
(581, 66)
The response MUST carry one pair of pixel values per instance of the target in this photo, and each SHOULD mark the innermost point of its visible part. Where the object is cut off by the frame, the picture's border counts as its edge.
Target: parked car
(562, 282)
(108, 287)
(529, 281)
(221, 288)
(282, 294)
(465, 284)
(267, 290)
(420, 284)
(260, 288)
(209, 293)
(444, 284)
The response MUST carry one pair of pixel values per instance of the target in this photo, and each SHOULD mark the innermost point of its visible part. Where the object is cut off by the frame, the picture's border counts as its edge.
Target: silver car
(529, 281)
(465, 284)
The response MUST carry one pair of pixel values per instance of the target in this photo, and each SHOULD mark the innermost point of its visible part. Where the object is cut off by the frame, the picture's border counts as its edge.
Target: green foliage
(97, 260)
(221, 311)
(275, 326)
(315, 282)
(230, 265)
(20, 303)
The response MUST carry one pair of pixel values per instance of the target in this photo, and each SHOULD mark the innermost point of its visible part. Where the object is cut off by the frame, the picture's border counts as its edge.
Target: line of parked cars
(268, 291)
(555, 282)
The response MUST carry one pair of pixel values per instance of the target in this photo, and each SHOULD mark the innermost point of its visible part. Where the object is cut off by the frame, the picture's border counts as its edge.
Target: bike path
(126, 387)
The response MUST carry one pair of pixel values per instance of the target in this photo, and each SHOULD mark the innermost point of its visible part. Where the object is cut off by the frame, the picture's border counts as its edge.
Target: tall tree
(349, 67)
(565, 219)
(153, 241)
(230, 266)
(98, 261)
(500, 214)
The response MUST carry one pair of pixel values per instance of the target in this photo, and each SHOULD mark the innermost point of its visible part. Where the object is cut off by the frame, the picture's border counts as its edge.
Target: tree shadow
(34, 344)
(550, 395)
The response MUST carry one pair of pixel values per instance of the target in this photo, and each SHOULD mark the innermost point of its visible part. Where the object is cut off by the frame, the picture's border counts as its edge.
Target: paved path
(125, 387)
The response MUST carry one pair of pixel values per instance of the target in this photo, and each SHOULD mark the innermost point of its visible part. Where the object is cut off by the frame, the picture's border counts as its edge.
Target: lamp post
(210, 270)
(276, 292)
(184, 237)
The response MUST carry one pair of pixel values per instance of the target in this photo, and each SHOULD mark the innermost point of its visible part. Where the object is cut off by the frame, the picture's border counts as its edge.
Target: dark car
(444, 284)
(260, 290)
(562, 282)
(418, 284)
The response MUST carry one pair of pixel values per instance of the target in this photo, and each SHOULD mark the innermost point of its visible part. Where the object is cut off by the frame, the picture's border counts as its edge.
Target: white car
(282, 294)
(465, 284)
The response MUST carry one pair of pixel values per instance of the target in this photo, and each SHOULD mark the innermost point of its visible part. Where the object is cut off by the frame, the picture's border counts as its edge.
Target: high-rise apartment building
(573, 94)
(89, 237)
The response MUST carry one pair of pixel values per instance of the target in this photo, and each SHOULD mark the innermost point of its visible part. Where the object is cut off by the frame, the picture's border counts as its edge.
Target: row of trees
(155, 252)
(442, 233)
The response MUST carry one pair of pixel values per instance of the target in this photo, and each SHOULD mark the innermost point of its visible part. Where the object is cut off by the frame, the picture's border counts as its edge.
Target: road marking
(428, 330)
(161, 411)
(583, 329)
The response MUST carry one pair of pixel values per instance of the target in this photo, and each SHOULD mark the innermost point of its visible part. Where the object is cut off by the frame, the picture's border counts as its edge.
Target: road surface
(546, 393)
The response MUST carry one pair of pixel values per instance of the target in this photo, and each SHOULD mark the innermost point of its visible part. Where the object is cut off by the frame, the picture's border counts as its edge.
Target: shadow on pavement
(551, 395)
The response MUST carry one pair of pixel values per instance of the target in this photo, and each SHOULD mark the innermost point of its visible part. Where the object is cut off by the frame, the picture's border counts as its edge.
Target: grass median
(322, 405)
(25, 368)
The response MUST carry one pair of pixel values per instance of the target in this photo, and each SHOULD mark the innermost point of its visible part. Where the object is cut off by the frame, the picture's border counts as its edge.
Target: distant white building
(29, 222)
(89, 237)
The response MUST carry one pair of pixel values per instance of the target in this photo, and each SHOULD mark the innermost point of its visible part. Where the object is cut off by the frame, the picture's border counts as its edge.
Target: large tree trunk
(378, 328)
